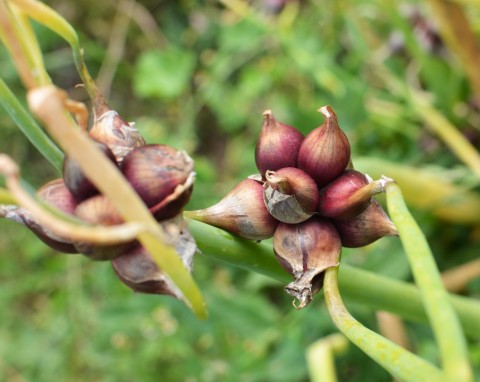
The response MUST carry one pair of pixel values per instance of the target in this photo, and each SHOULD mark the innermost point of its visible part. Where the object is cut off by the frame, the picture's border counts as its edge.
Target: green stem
(35, 134)
(445, 323)
(320, 357)
(363, 287)
(21, 42)
(6, 197)
(398, 361)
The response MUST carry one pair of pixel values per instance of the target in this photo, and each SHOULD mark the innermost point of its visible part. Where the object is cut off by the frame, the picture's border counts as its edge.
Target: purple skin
(302, 186)
(138, 271)
(155, 171)
(56, 194)
(242, 211)
(334, 196)
(76, 182)
(371, 225)
(325, 151)
(278, 145)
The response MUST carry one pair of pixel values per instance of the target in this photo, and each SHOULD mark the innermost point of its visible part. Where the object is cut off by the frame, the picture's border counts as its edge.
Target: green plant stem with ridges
(442, 316)
(364, 287)
(401, 363)
(32, 130)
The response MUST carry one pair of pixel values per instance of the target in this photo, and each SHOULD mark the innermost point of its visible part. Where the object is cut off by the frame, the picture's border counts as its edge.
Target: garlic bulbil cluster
(161, 175)
(308, 197)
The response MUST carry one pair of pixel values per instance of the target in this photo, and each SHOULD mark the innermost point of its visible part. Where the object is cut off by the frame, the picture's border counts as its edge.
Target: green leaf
(163, 74)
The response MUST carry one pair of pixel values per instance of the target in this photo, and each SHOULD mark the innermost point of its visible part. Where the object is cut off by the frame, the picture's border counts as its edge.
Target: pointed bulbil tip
(268, 117)
(327, 111)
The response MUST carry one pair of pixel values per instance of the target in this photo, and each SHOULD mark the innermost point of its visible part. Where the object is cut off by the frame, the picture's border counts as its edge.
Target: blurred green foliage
(197, 75)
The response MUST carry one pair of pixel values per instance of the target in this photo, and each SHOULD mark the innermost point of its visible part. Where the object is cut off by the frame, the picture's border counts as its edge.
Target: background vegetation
(197, 75)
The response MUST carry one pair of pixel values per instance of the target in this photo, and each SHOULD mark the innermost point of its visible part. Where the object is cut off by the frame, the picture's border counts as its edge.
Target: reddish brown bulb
(278, 145)
(290, 195)
(348, 196)
(242, 211)
(56, 194)
(100, 210)
(325, 151)
(76, 181)
(162, 176)
(138, 270)
(305, 250)
(371, 225)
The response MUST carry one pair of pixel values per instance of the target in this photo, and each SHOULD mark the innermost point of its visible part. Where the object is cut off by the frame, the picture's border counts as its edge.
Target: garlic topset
(307, 197)
(312, 201)
(161, 175)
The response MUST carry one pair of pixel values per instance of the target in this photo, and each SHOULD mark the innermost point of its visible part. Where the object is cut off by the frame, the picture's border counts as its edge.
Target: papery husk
(291, 195)
(305, 250)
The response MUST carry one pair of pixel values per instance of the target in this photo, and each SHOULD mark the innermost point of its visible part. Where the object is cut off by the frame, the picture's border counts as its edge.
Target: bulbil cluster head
(163, 178)
(308, 197)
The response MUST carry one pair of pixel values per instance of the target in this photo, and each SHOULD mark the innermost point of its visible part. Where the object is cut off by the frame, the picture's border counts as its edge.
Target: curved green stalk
(441, 314)
(363, 287)
(48, 17)
(16, 33)
(401, 363)
(32, 130)
(45, 15)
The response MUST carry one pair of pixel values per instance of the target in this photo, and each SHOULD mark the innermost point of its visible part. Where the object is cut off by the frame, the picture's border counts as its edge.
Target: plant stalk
(29, 127)
(442, 316)
(364, 287)
(399, 362)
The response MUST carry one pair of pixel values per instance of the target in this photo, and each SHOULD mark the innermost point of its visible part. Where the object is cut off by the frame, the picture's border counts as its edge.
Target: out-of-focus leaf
(163, 74)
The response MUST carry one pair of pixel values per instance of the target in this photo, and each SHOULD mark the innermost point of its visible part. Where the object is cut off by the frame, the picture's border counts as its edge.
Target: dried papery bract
(348, 196)
(278, 145)
(290, 194)
(371, 225)
(109, 128)
(242, 211)
(305, 250)
(76, 181)
(138, 271)
(325, 151)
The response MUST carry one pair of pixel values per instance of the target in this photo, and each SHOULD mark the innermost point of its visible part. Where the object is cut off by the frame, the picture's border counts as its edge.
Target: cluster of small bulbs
(163, 178)
(308, 197)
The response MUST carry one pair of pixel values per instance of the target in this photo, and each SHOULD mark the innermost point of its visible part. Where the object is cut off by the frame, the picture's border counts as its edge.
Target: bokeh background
(197, 75)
